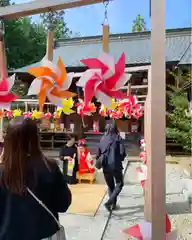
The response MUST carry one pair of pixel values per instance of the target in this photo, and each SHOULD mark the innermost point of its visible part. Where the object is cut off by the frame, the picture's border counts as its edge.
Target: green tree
(179, 118)
(25, 41)
(54, 21)
(139, 24)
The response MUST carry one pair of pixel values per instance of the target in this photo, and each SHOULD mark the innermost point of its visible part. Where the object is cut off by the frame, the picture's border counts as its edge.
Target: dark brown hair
(70, 136)
(21, 146)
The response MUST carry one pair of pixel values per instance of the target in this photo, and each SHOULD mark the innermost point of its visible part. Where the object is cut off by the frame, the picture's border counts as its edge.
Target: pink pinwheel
(142, 231)
(6, 97)
(103, 79)
(142, 142)
(137, 111)
(116, 114)
(9, 114)
(27, 114)
(131, 108)
(48, 115)
(85, 110)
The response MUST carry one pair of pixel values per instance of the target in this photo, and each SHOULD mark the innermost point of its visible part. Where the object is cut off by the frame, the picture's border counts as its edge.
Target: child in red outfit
(86, 162)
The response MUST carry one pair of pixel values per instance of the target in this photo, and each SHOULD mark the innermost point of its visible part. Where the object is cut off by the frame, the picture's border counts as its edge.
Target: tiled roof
(137, 47)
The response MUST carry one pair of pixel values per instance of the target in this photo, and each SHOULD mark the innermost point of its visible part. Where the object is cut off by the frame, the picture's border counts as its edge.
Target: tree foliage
(179, 118)
(25, 40)
(139, 24)
(54, 21)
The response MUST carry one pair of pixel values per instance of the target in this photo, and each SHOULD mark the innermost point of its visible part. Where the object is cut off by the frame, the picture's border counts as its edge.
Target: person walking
(27, 181)
(111, 144)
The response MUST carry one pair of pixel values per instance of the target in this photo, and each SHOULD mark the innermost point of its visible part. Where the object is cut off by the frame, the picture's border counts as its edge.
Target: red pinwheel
(85, 110)
(142, 231)
(131, 108)
(81, 142)
(103, 79)
(6, 97)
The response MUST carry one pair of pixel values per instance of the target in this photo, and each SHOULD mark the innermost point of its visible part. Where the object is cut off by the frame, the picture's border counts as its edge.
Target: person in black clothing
(68, 154)
(112, 168)
(23, 166)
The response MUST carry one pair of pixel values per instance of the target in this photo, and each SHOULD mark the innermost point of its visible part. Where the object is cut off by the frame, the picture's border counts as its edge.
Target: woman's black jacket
(21, 217)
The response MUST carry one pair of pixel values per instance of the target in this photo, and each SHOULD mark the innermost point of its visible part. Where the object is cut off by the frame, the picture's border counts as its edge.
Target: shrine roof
(137, 47)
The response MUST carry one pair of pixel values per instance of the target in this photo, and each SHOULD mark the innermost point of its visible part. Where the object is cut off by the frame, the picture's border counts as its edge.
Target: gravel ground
(132, 200)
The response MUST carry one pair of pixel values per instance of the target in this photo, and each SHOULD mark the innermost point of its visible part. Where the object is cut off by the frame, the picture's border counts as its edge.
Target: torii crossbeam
(41, 6)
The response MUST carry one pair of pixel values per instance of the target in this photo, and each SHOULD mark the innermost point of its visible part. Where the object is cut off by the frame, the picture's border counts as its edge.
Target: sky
(88, 20)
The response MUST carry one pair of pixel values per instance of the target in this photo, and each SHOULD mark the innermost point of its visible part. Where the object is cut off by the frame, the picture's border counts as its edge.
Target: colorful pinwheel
(103, 111)
(6, 97)
(103, 79)
(116, 114)
(52, 82)
(131, 108)
(85, 110)
(142, 231)
(56, 115)
(37, 114)
(48, 115)
(17, 113)
(27, 114)
(2, 114)
(67, 104)
(9, 114)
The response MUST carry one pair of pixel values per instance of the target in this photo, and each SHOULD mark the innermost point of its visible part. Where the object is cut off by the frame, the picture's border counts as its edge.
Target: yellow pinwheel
(114, 104)
(67, 104)
(17, 113)
(36, 114)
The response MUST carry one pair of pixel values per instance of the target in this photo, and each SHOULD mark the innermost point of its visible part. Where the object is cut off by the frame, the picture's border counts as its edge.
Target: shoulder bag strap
(44, 206)
(107, 148)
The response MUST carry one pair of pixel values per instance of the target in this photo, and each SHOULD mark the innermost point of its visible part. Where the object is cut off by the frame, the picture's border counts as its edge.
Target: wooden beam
(37, 7)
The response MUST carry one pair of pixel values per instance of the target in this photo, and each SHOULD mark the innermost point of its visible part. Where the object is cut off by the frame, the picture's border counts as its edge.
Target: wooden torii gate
(155, 104)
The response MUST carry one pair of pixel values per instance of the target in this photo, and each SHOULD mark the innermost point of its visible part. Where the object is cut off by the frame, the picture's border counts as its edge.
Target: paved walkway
(105, 227)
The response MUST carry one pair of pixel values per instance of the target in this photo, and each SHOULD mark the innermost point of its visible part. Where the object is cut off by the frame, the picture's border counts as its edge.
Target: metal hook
(106, 3)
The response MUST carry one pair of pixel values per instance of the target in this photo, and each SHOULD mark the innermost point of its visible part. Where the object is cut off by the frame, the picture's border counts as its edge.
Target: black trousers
(114, 180)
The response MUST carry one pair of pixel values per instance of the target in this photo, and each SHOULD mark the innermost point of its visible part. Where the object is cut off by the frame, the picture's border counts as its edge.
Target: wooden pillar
(155, 125)
(50, 42)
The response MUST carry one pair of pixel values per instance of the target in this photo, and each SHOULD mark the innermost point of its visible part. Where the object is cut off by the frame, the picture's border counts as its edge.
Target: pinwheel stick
(49, 50)
(129, 89)
(83, 122)
(105, 40)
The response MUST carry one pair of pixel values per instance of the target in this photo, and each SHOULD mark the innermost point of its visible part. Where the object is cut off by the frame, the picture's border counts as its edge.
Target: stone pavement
(100, 227)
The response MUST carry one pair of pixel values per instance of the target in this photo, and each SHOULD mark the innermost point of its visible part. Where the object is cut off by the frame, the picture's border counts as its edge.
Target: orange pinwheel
(2, 113)
(52, 82)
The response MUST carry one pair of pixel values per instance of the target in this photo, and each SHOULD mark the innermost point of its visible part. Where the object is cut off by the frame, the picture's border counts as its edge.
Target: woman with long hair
(24, 169)
(111, 144)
